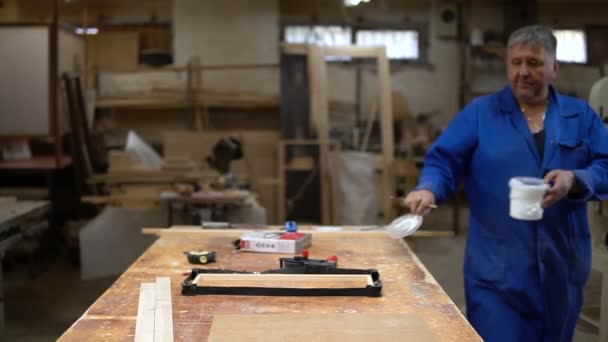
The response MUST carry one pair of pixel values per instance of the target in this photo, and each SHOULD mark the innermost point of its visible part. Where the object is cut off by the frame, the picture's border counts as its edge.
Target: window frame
(421, 28)
(586, 45)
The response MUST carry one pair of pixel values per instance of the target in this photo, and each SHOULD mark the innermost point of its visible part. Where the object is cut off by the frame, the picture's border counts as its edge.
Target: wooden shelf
(39, 163)
(240, 101)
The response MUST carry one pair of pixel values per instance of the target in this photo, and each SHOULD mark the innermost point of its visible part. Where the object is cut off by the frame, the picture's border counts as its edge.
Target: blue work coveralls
(523, 279)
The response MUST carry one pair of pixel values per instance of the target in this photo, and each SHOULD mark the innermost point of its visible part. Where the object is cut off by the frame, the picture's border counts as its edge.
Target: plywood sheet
(24, 52)
(352, 327)
(114, 50)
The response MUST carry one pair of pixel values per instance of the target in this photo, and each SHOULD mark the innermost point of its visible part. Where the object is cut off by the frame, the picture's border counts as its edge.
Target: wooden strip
(335, 171)
(388, 144)
(163, 318)
(362, 279)
(294, 49)
(174, 69)
(368, 128)
(144, 328)
(280, 196)
(591, 316)
(307, 142)
(348, 231)
(238, 232)
(352, 51)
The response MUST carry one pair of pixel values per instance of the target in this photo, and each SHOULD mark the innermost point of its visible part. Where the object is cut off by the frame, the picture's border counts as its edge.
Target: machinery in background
(224, 152)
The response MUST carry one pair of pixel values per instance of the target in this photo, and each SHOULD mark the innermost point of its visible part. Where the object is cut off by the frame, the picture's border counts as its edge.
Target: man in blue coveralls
(523, 279)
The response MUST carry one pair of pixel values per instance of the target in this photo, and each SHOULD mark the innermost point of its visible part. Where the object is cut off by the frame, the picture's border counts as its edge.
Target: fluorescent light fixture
(352, 3)
(86, 31)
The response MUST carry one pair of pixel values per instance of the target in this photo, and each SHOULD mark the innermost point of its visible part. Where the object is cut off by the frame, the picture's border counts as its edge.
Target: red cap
(332, 258)
(305, 254)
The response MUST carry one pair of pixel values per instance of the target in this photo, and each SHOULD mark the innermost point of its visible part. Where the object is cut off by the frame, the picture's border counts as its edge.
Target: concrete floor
(41, 309)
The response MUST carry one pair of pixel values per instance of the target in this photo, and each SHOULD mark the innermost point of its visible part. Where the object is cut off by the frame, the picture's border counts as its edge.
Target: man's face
(530, 70)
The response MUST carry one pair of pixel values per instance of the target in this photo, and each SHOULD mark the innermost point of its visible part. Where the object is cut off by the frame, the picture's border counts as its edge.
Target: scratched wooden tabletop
(408, 287)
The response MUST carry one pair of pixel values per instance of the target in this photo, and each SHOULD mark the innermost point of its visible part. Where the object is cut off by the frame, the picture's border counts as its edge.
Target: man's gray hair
(534, 34)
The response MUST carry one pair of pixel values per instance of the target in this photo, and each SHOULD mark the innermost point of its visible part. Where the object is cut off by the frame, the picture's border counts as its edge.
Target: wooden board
(24, 52)
(408, 288)
(351, 327)
(301, 281)
(144, 329)
(319, 119)
(114, 50)
(163, 312)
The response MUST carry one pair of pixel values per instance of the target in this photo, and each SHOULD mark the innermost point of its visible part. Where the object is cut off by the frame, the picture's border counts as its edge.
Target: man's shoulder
(484, 101)
(573, 105)
(493, 98)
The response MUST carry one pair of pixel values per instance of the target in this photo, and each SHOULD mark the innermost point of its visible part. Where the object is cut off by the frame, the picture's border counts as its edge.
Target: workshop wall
(430, 87)
(97, 11)
(575, 79)
(572, 14)
(229, 33)
(9, 11)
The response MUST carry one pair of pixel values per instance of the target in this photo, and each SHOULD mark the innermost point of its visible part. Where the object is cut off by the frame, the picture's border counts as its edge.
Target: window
(399, 44)
(571, 46)
(322, 35)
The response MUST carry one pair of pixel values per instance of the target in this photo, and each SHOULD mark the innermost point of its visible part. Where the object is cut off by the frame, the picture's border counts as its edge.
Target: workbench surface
(408, 287)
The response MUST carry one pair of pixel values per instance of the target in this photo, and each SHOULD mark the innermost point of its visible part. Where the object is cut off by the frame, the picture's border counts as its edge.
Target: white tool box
(275, 242)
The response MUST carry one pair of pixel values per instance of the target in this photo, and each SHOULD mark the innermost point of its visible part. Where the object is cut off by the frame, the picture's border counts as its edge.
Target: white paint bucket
(526, 196)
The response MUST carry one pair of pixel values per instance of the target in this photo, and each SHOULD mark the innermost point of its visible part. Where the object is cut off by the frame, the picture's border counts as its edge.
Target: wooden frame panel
(319, 104)
(359, 280)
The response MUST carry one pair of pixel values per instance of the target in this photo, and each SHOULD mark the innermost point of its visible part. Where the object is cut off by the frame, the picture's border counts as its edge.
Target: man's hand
(419, 201)
(561, 182)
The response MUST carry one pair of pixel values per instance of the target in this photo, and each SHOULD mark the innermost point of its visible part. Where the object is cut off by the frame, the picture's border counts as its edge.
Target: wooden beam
(281, 188)
(54, 117)
(335, 172)
(163, 314)
(294, 49)
(347, 231)
(352, 51)
(144, 328)
(388, 144)
(319, 116)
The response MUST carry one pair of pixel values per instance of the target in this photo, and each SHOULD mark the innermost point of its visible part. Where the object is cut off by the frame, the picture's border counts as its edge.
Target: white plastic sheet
(143, 155)
(359, 206)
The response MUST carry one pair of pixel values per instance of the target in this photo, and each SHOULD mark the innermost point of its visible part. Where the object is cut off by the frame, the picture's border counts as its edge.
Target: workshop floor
(42, 308)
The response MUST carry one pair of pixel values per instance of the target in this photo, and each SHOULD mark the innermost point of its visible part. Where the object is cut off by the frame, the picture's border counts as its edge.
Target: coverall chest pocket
(485, 259)
(573, 153)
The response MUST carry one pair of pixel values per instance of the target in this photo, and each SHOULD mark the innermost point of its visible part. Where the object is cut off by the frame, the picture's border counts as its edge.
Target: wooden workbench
(18, 218)
(408, 287)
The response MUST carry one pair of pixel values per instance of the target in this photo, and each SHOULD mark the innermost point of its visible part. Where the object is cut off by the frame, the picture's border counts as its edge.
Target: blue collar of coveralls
(508, 103)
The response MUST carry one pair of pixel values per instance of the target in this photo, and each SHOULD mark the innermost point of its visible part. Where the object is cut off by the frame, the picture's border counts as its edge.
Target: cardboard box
(275, 242)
